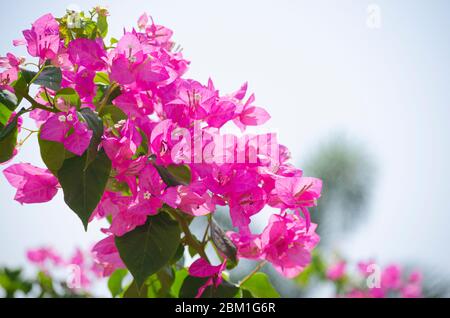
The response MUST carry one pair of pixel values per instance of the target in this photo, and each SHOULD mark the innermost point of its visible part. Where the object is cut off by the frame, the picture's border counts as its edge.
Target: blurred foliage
(348, 174)
(13, 283)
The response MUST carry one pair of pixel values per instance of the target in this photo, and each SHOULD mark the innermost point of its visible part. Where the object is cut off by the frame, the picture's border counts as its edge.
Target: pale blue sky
(318, 69)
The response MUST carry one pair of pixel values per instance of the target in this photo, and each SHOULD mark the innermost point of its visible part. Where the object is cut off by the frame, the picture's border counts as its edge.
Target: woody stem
(35, 104)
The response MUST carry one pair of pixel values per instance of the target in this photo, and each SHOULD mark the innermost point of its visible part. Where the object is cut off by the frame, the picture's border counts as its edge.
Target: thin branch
(253, 272)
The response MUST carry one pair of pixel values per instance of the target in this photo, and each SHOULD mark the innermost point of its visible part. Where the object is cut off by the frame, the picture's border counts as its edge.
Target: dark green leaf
(178, 255)
(20, 88)
(5, 130)
(134, 291)
(143, 147)
(8, 99)
(260, 287)
(9, 128)
(149, 247)
(52, 153)
(84, 186)
(191, 284)
(174, 175)
(95, 123)
(115, 113)
(28, 75)
(50, 77)
(8, 138)
(246, 294)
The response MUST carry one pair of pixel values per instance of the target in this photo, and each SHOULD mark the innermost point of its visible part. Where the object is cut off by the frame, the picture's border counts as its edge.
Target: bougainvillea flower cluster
(374, 281)
(130, 138)
(79, 269)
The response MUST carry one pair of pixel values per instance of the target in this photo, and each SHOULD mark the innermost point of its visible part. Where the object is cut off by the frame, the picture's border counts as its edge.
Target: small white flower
(62, 118)
(147, 195)
(69, 117)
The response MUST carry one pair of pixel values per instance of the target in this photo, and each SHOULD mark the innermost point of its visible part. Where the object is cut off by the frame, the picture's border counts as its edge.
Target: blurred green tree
(348, 175)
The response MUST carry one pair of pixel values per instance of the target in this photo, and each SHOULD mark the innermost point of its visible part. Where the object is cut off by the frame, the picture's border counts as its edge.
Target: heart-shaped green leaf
(149, 247)
(84, 186)
(260, 287)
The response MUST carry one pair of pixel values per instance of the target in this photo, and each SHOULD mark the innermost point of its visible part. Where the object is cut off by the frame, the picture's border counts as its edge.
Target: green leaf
(246, 294)
(95, 123)
(149, 247)
(90, 29)
(5, 114)
(102, 25)
(191, 284)
(142, 150)
(116, 186)
(221, 241)
(46, 283)
(181, 173)
(8, 99)
(101, 78)
(260, 287)
(166, 277)
(153, 287)
(115, 113)
(159, 284)
(115, 281)
(8, 138)
(20, 88)
(180, 276)
(134, 291)
(178, 255)
(69, 96)
(174, 175)
(10, 127)
(27, 75)
(84, 186)
(52, 153)
(50, 77)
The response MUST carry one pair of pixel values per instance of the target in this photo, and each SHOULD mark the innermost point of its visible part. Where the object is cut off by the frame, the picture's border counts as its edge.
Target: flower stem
(26, 138)
(253, 272)
(205, 236)
(30, 130)
(108, 94)
(35, 104)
